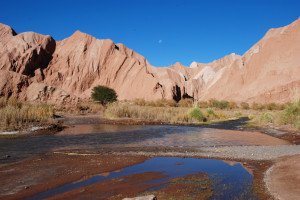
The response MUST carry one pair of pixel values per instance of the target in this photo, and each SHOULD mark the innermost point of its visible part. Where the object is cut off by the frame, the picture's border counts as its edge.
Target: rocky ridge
(35, 67)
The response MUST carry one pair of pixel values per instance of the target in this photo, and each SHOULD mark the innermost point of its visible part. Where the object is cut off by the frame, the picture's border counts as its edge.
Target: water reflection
(228, 181)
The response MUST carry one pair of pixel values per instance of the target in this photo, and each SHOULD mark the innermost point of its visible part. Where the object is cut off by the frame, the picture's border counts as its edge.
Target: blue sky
(164, 31)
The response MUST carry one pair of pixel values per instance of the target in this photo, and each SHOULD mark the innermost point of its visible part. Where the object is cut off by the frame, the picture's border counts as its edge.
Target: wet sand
(128, 186)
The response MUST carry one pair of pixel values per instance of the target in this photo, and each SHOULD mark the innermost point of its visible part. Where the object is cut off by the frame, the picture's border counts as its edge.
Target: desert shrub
(223, 104)
(222, 115)
(291, 115)
(163, 103)
(148, 113)
(103, 94)
(89, 107)
(218, 104)
(238, 114)
(203, 104)
(181, 118)
(266, 118)
(17, 114)
(160, 114)
(185, 103)
(117, 110)
(12, 101)
(268, 106)
(212, 102)
(251, 116)
(257, 106)
(271, 106)
(3, 102)
(232, 105)
(139, 102)
(274, 106)
(157, 103)
(211, 113)
(171, 103)
(245, 105)
(195, 113)
(282, 106)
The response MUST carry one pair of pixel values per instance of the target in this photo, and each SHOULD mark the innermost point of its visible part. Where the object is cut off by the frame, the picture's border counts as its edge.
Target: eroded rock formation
(36, 67)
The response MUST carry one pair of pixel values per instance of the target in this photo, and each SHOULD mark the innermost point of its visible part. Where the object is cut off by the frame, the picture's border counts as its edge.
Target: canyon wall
(35, 67)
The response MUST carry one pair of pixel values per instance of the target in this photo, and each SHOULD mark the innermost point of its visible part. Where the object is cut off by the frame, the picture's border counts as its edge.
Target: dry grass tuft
(274, 115)
(148, 113)
(175, 115)
(291, 115)
(15, 114)
(84, 107)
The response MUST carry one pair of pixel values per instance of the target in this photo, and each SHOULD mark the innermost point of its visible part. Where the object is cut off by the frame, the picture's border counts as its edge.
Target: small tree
(104, 94)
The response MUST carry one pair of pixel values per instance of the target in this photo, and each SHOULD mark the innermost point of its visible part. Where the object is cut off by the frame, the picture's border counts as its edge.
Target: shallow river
(99, 136)
(229, 181)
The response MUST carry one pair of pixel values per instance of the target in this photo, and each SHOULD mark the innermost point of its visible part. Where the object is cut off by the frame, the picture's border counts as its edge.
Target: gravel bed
(229, 152)
(253, 152)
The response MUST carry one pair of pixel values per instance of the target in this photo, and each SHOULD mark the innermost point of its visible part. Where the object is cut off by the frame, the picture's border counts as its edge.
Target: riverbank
(274, 119)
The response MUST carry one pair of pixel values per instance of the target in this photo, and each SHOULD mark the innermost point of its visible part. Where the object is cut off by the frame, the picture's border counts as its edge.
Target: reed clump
(174, 115)
(16, 114)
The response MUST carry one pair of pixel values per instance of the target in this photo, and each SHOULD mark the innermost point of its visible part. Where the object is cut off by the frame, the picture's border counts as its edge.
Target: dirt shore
(283, 178)
(31, 176)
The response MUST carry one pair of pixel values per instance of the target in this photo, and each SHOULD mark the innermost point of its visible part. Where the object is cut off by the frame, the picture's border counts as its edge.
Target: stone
(148, 197)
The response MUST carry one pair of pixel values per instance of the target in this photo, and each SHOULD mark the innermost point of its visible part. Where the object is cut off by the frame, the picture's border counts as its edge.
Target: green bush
(267, 117)
(104, 94)
(211, 113)
(196, 114)
(291, 115)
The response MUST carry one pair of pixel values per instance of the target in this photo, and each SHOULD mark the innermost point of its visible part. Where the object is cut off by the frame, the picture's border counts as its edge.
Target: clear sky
(164, 31)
